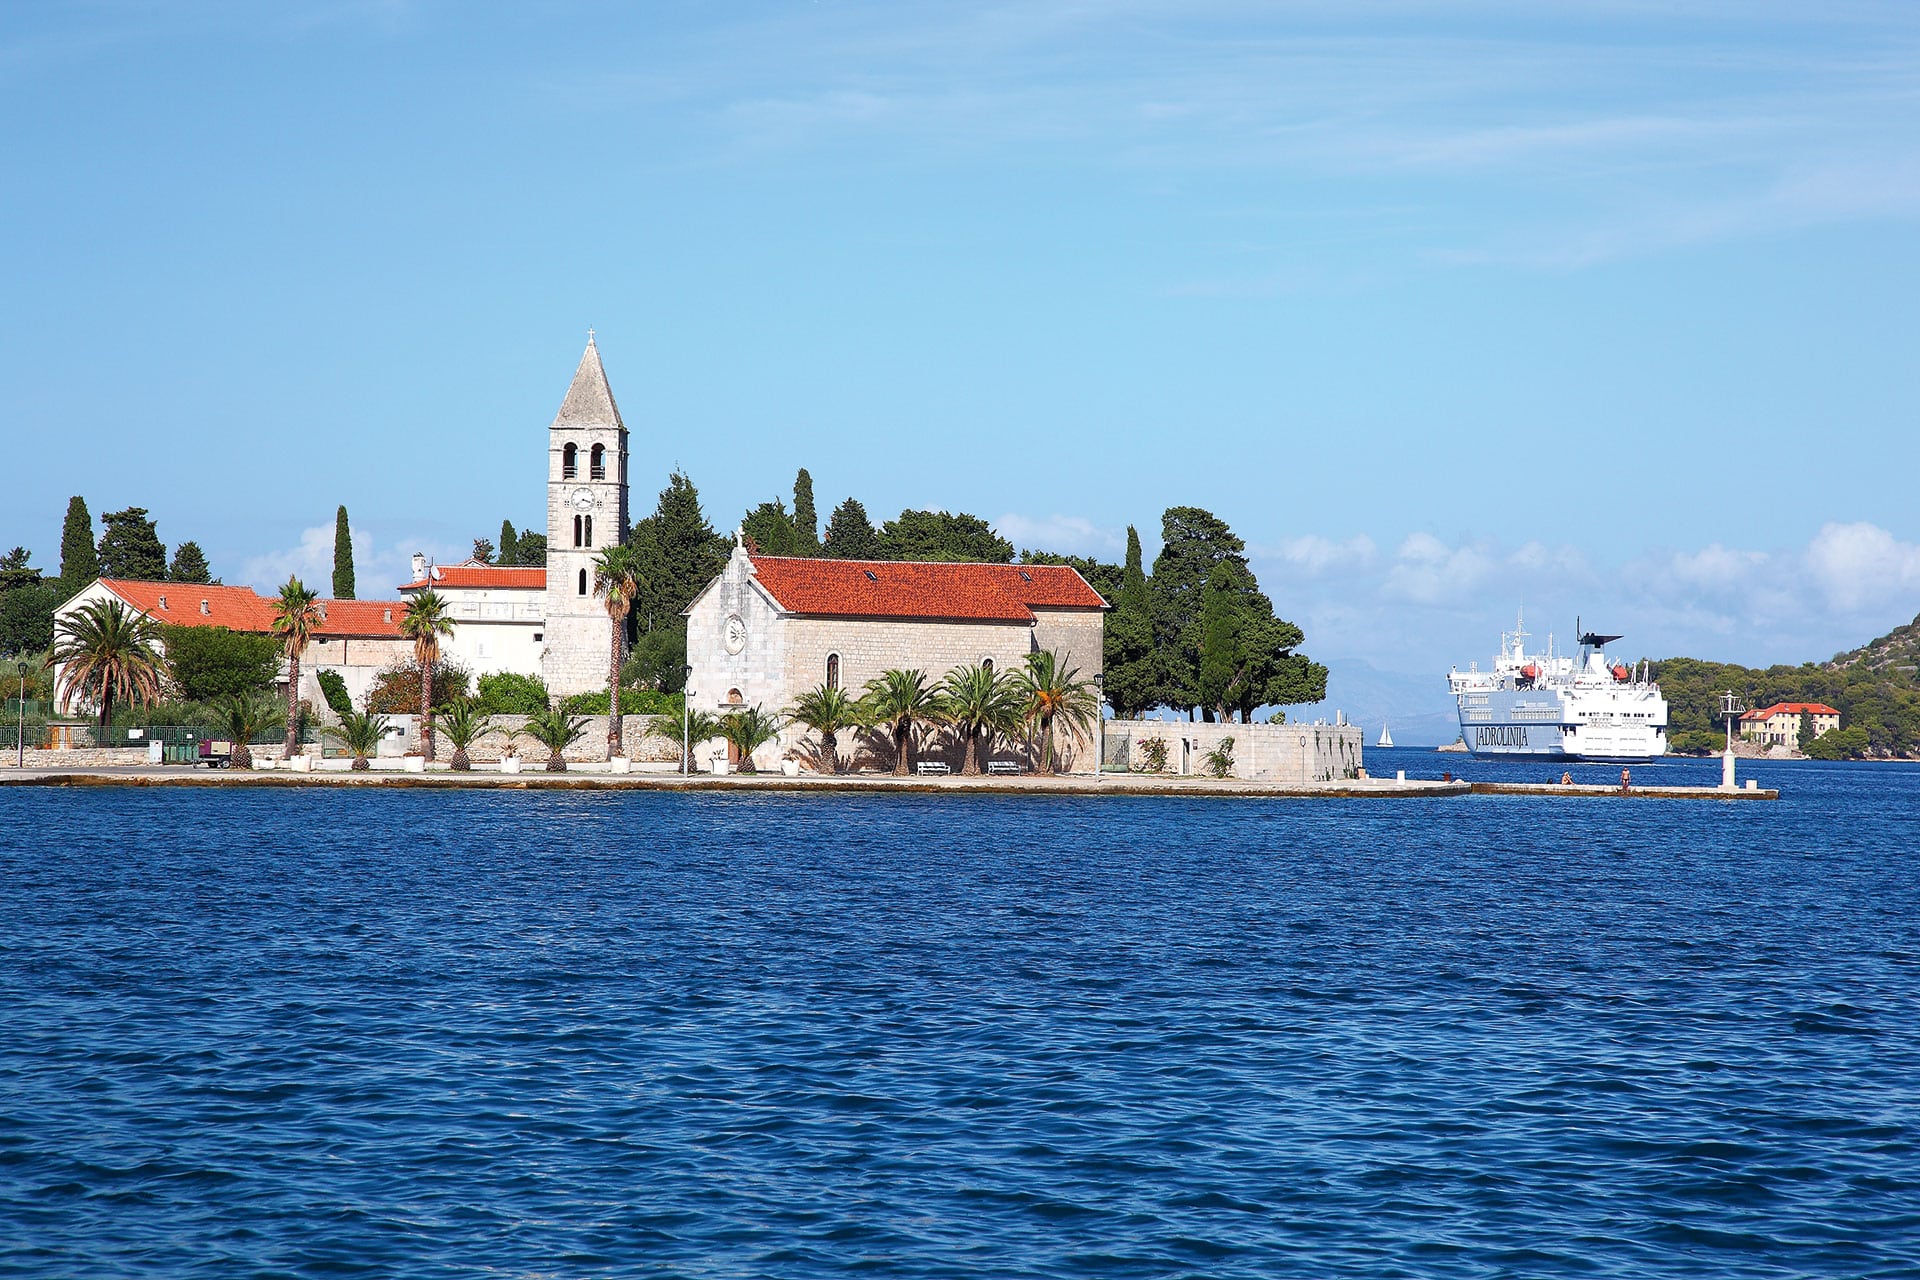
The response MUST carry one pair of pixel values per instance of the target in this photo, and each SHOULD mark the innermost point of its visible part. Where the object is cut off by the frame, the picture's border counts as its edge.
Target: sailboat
(1386, 737)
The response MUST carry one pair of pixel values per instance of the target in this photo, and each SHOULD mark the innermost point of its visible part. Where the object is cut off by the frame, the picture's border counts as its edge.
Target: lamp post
(1730, 706)
(686, 722)
(20, 729)
(1100, 716)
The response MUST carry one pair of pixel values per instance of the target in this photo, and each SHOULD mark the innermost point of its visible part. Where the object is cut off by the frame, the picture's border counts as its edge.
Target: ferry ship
(1550, 706)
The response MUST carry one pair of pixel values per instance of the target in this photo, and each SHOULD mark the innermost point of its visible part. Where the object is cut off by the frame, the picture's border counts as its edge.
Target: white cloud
(1067, 535)
(1428, 571)
(1860, 565)
(1314, 555)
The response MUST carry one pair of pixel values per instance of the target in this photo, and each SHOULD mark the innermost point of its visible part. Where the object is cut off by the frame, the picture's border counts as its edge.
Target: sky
(1593, 309)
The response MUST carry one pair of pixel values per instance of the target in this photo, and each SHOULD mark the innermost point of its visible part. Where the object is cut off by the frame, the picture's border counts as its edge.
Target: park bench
(1004, 766)
(932, 766)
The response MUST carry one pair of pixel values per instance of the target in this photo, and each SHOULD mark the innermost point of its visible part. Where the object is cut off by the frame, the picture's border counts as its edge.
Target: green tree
(1101, 576)
(1193, 542)
(980, 702)
(1054, 696)
(508, 693)
(1806, 734)
(343, 585)
(828, 711)
(941, 535)
(677, 553)
(79, 562)
(1132, 672)
(693, 729)
(208, 664)
(746, 731)
(360, 732)
(296, 616)
(334, 690)
(189, 564)
(555, 730)
(483, 550)
(26, 616)
(428, 620)
(130, 547)
(531, 550)
(464, 724)
(850, 534)
(245, 717)
(806, 521)
(898, 699)
(616, 580)
(509, 543)
(106, 652)
(658, 661)
(1222, 682)
(1839, 744)
(16, 571)
(769, 530)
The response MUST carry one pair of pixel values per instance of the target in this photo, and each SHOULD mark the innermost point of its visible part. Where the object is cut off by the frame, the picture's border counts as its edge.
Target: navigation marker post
(1730, 706)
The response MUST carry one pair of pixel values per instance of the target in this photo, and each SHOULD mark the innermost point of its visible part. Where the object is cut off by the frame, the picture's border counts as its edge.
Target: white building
(498, 612)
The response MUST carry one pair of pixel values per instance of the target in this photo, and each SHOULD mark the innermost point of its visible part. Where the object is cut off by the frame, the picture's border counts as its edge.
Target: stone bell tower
(586, 513)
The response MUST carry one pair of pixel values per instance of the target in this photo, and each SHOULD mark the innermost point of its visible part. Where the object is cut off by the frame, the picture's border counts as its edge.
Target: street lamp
(1100, 715)
(686, 722)
(20, 730)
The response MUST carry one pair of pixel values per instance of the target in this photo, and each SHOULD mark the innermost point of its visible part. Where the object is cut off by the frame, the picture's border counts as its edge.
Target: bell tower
(586, 513)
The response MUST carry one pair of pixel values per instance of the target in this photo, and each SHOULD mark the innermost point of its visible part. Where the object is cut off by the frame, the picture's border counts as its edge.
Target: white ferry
(1553, 707)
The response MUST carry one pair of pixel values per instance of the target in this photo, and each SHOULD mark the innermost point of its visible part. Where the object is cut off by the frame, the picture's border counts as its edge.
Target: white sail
(1386, 737)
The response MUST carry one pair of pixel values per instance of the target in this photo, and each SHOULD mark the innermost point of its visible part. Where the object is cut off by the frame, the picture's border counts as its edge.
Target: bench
(1004, 766)
(932, 766)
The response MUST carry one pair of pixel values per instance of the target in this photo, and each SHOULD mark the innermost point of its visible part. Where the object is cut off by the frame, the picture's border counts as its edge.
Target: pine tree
(850, 534)
(1132, 676)
(770, 530)
(79, 563)
(342, 555)
(806, 522)
(130, 547)
(509, 543)
(1221, 671)
(483, 550)
(189, 564)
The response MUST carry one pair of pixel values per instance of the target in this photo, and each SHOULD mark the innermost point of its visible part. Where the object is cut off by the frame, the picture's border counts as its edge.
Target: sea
(323, 1032)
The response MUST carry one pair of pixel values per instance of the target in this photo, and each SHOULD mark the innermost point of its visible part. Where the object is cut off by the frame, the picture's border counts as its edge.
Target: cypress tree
(79, 564)
(342, 556)
(509, 543)
(850, 534)
(806, 522)
(1132, 675)
(130, 547)
(189, 564)
(1219, 644)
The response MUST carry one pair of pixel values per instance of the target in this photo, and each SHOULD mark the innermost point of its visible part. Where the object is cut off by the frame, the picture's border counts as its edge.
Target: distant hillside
(1876, 689)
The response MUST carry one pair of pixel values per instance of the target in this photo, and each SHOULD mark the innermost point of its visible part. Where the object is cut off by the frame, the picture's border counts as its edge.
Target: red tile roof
(516, 577)
(244, 609)
(917, 589)
(1792, 709)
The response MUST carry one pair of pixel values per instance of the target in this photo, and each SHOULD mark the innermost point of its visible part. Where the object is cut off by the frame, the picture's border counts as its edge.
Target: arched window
(576, 532)
(597, 462)
(986, 664)
(569, 462)
(583, 582)
(587, 522)
(833, 671)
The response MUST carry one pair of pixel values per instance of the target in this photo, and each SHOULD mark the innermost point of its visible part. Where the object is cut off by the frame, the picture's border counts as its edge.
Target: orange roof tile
(244, 609)
(919, 589)
(516, 577)
(1792, 709)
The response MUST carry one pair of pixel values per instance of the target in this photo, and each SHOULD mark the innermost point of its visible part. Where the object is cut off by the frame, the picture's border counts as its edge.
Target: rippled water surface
(508, 1034)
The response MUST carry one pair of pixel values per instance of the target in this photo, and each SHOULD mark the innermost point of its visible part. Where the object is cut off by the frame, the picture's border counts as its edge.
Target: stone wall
(77, 757)
(591, 746)
(1291, 753)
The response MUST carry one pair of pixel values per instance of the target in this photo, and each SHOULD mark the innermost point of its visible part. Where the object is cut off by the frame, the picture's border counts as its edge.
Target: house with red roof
(1779, 724)
(769, 628)
(355, 639)
(499, 613)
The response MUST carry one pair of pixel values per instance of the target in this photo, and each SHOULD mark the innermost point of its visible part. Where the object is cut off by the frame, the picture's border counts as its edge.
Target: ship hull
(1537, 725)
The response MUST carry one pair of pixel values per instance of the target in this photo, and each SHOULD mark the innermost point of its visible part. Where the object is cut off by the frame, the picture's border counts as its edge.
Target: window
(986, 664)
(597, 463)
(538, 636)
(833, 671)
(583, 582)
(569, 463)
(1025, 576)
(588, 521)
(871, 575)
(583, 531)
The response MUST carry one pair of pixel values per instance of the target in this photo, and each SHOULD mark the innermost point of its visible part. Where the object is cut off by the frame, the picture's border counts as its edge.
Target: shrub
(396, 690)
(633, 702)
(1219, 761)
(335, 690)
(1839, 744)
(213, 664)
(1153, 755)
(1696, 742)
(507, 693)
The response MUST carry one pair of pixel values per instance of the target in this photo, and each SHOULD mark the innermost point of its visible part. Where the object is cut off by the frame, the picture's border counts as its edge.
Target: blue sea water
(427, 1034)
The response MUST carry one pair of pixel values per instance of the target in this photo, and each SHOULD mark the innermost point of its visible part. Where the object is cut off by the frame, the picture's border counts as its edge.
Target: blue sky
(1602, 308)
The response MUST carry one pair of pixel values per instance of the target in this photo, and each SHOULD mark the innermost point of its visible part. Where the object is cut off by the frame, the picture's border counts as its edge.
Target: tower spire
(589, 401)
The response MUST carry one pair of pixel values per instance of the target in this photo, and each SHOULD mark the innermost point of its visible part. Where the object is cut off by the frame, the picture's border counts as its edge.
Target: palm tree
(979, 703)
(103, 651)
(828, 709)
(464, 725)
(749, 730)
(896, 699)
(555, 730)
(245, 717)
(616, 580)
(426, 621)
(360, 733)
(699, 727)
(1052, 691)
(296, 616)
